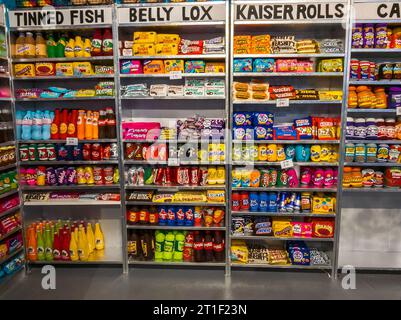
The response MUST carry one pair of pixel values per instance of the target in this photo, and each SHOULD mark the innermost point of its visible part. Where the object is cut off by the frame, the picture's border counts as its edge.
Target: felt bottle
(56, 247)
(83, 248)
(19, 115)
(60, 47)
(37, 118)
(51, 46)
(40, 245)
(63, 124)
(95, 125)
(30, 46)
(208, 246)
(79, 47)
(48, 244)
(65, 245)
(54, 129)
(87, 48)
(168, 247)
(179, 246)
(69, 48)
(99, 237)
(90, 237)
(73, 248)
(107, 43)
(72, 123)
(81, 124)
(31, 244)
(96, 43)
(159, 245)
(46, 124)
(20, 46)
(26, 126)
(89, 125)
(40, 46)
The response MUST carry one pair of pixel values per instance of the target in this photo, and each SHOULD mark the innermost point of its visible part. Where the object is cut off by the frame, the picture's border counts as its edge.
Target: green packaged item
(179, 246)
(33, 152)
(168, 247)
(282, 178)
(273, 177)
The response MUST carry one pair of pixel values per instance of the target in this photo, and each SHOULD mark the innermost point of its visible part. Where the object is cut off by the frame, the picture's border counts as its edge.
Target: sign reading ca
(377, 10)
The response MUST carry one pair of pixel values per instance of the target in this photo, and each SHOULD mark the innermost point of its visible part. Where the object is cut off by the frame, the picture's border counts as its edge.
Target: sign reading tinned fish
(377, 10)
(289, 11)
(60, 17)
(172, 13)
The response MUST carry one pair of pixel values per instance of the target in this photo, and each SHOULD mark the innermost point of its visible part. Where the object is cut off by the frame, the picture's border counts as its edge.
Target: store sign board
(60, 17)
(172, 13)
(377, 10)
(289, 11)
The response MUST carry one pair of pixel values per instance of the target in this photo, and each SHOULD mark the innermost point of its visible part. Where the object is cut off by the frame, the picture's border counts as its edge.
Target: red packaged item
(153, 217)
(286, 65)
(244, 201)
(133, 216)
(86, 152)
(108, 175)
(162, 152)
(159, 179)
(143, 216)
(133, 151)
(188, 247)
(169, 174)
(198, 213)
(326, 129)
(96, 152)
(194, 176)
(106, 152)
(322, 228)
(203, 174)
(183, 175)
(146, 152)
(392, 178)
(236, 199)
(153, 152)
(98, 175)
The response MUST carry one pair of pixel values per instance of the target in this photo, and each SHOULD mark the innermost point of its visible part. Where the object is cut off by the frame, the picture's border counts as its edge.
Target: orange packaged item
(242, 40)
(286, 65)
(326, 129)
(322, 228)
(43, 69)
(255, 179)
(81, 124)
(89, 125)
(153, 67)
(144, 49)
(24, 70)
(242, 50)
(164, 49)
(352, 97)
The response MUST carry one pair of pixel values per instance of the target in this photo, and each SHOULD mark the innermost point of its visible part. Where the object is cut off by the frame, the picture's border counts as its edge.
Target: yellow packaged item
(242, 40)
(216, 152)
(272, 152)
(215, 67)
(190, 197)
(325, 153)
(239, 251)
(45, 69)
(168, 38)
(215, 196)
(322, 204)
(282, 228)
(315, 152)
(24, 70)
(163, 197)
(242, 50)
(173, 65)
(144, 49)
(330, 65)
(280, 152)
(82, 68)
(165, 49)
(260, 49)
(333, 153)
(64, 69)
(145, 37)
(86, 93)
(262, 38)
(330, 95)
(153, 66)
(241, 86)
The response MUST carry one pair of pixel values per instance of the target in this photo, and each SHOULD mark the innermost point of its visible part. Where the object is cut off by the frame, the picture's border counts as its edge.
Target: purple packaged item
(381, 36)
(28, 93)
(71, 175)
(357, 36)
(368, 36)
(394, 97)
(77, 152)
(51, 179)
(61, 174)
(62, 152)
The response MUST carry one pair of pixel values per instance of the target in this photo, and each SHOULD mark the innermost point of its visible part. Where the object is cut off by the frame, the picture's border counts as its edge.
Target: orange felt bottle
(95, 127)
(32, 244)
(89, 125)
(81, 124)
(54, 130)
(63, 124)
(72, 124)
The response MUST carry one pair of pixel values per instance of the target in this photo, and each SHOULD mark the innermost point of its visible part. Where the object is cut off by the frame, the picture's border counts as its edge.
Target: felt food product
(282, 228)
(323, 228)
(242, 40)
(195, 66)
(326, 129)
(131, 67)
(82, 68)
(144, 49)
(64, 69)
(145, 37)
(263, 65)
(173, 65)
(215, 67)
(301, 229)
(330, 65)
(189, 197)
(164, 49)
(243, 65)
(241, 86)
(352, 98)
(323, 204)
(304, 128)
(286, 65)
(24, 70)
(277, 256)
(153, 67)
(215, 196)
(330, 95)
(239, 251)
(45, 69)
(168, 38)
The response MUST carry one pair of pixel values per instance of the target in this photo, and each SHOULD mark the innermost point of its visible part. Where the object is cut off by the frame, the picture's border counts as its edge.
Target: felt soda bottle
(87, 48)
(99, 238)
(54, 129)
(90, 237)
(60, 47)
(89, 125)
(65, 244)
(32, 244)
(63, 125)
(56, 247)
(83, 248)
(51, 46)
(26, 126)
(169, 246)
(95, 127)
(81, 124)
(46, 124)
(69, 48)
(179, 246)
(79, 47)
(37, 122)
(40, 245)
(188, 247)
(72, 124)
(96, 49)
(30, 46)
(40, 46)
(73, 248)
(107, 43)
(208, 246)
(159, 246)
(48, 244)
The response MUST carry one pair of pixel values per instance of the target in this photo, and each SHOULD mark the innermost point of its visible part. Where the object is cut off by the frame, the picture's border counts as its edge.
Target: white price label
(175, 75)
(173, 162)
(398, 111)
(281, 103)
(286, 164)
(71, 141)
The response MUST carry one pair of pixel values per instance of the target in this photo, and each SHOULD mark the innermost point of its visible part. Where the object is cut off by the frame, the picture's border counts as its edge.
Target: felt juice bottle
(79, 47)
(63, 124)
(51, 46)
(73, 248)
(96, 44)
(87, 48)
(56, 247)
(83, 248)
(31, 244)
(99, 238)
(48, 244)
(107, 43)
(46, 125)
(69, 48)
(37, 122)
(26, 126)
(65, 244)
(72, 123)
(40, 249)
(40, 46)
(60, 46)
(90, 237)
(54, 129)
(30, 46)
(95, 125)
(169, 246)
(159, 245)
(81, 124)
(89, 125)
(20, 45)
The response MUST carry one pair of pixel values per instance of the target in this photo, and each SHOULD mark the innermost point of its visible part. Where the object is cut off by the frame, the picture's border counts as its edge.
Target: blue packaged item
(162, 216)
(242, 65)
(77, 152)
(70, 153)
(285, 133)
(263, 133)
(272, 204)
(289, 152)
(283, 196)
(242, 119)
(189, 216)
(263, 65)
(49, 95)
(171, 217)
(304, 128)
(263, 201)
(299, 256)
(58, 89)
(243, 133)
(180, 216)
(262, 119)
(14, 265)
(254, 201)
(302, 153)
(70, 94)
(297, 205)
(62, 153)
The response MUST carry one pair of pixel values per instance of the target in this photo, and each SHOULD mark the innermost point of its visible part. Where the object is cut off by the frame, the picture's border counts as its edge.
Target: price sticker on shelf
(286, 164)
(173, 162)
(282, 103)
(175, 75)
(71, 141)
(398, 111)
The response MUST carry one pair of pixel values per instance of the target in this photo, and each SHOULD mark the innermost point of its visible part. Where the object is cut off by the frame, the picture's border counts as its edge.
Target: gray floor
(110, 283)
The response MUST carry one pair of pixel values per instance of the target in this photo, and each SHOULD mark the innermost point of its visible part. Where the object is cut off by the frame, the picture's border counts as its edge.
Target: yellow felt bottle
(73, 248)
(99, 238)
(79, 47)
(87, 48)
(69, 49)
(91, 238)
(83, 250)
